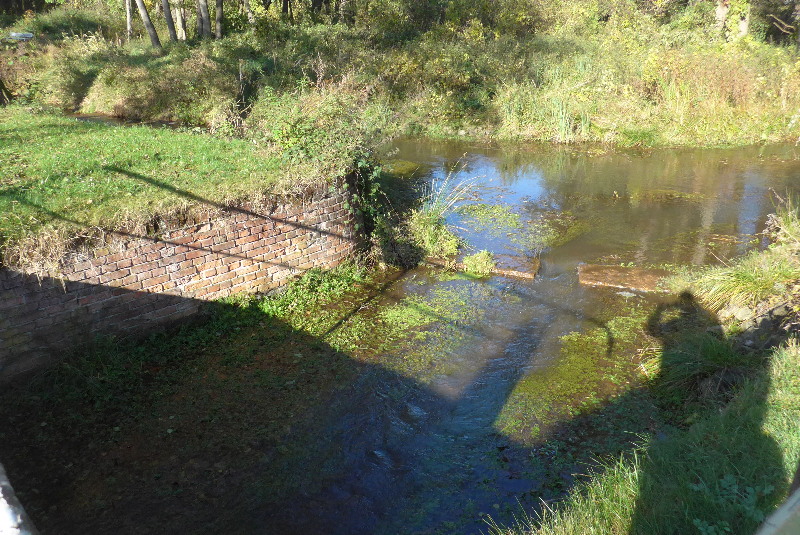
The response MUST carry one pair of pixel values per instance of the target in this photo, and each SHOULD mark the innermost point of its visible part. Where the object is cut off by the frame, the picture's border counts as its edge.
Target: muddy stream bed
(435, 402)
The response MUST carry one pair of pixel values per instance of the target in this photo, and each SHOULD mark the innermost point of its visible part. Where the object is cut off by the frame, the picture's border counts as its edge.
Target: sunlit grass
(758, 276)
(62, 177)
(723, 474)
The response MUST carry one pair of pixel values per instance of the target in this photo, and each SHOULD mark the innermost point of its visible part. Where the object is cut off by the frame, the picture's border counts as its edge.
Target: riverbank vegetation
(316, 88)
(618, 72)
(724, 401)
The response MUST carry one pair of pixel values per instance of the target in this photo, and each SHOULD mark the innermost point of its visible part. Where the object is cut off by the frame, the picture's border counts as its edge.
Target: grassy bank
(611, 73)
(64, 178)
(731, 448)
(721, 475)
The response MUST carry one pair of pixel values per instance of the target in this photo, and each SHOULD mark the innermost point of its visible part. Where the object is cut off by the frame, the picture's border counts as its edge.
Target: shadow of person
(715, 452)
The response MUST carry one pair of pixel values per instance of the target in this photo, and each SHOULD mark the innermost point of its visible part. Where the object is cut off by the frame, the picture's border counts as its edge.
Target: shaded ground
(417, 402)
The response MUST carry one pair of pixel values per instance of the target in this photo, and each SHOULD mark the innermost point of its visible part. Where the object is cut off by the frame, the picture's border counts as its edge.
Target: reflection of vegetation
(481, 263)
(759, 275)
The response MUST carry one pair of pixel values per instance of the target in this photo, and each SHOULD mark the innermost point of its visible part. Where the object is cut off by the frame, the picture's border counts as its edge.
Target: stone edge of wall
(130, 285)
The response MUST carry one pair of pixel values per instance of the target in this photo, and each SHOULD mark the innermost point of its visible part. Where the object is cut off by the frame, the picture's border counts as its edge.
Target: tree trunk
(218, 20)
(180, 20)
(267, 4)
(744, 24)
(128, 20)
(204, 22)
(345, 12)
(148, 24)
(721, 13)
(5, 96)
(173, 35)
(199, 21)
(250, 17)
(286, 10)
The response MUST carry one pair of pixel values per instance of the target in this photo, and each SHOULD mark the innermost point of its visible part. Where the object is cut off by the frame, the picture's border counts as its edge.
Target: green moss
(592, 367)
(404, 168)
(400, 318)
(665, 195)
(550, 229)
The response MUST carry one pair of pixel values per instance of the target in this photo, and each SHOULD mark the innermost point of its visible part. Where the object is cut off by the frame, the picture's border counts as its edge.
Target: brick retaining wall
(131, 285)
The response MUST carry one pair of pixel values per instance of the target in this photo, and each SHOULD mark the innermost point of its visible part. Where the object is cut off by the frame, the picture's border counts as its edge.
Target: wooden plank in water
(634, 279)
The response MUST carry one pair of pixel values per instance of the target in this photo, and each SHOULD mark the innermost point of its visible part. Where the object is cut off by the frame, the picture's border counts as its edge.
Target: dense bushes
(663, 74)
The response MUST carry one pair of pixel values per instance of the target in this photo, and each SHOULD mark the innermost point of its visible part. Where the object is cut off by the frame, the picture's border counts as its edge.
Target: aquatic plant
(427, 224)
(481, 263)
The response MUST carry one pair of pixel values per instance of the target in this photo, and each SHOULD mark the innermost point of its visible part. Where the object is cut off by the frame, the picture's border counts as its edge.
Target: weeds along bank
(585, 71)
(732, 399)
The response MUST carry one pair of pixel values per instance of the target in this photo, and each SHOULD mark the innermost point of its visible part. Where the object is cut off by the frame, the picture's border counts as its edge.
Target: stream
(424, 401)
(503, 389)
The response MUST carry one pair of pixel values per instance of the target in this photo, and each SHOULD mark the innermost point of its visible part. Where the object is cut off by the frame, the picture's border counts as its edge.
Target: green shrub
(329, 127)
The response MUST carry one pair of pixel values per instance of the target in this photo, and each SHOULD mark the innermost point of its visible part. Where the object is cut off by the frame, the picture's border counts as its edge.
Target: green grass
(759, 276)
(721, 475)
(62, 178)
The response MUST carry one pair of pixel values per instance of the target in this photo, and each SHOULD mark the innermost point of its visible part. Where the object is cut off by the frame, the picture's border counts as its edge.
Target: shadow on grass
(245, 423)
(723, 473)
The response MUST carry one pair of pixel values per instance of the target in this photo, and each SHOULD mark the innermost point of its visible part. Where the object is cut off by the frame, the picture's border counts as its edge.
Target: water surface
(465, 417)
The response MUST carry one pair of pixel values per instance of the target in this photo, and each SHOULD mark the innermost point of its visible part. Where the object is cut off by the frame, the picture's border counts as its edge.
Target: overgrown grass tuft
(480, 264)
(754, 278)
(700, 357)
(427, 224)
(432, 235)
